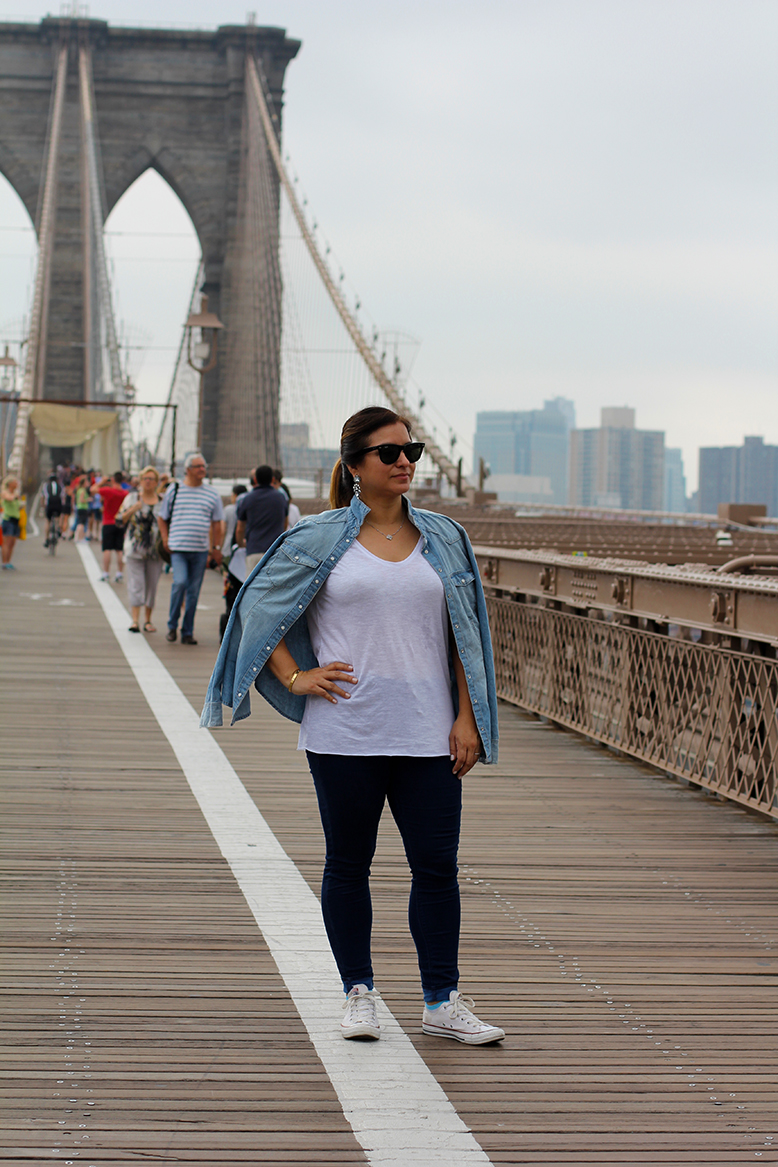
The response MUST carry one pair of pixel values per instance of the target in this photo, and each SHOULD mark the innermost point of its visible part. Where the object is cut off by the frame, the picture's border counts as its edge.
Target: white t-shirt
(390, 621)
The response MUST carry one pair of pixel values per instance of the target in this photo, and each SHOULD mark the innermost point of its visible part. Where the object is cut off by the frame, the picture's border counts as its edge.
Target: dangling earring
(357, 486)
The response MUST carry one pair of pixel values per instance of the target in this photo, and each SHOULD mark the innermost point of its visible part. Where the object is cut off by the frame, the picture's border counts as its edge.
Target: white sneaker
(361, 1019)
(118, 577)
(454, 1019)
(106, 577)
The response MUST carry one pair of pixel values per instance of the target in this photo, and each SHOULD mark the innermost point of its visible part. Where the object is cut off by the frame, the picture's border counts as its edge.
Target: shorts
(53, 512)
(67, 506)
(11, 528)
(113, 537)
(82, 516)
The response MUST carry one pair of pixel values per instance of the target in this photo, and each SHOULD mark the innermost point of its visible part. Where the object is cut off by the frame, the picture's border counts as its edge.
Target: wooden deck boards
(623, 929)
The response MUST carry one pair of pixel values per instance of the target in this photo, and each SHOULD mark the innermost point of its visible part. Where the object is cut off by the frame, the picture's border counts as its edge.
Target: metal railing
(661, 664)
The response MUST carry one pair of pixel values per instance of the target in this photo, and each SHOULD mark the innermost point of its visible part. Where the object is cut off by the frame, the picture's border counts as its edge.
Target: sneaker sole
(487, 1038)
(367, 1032)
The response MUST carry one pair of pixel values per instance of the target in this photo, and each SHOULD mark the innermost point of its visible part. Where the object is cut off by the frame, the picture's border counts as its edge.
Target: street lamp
(204, 351)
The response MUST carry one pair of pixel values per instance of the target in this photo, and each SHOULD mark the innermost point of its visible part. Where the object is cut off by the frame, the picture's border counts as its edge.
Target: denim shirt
(272, 602)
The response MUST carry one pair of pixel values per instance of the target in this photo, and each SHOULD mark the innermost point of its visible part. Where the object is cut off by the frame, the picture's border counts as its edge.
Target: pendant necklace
(389, 537)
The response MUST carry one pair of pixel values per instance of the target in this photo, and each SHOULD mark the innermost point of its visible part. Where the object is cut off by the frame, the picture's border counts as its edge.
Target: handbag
(162, 551)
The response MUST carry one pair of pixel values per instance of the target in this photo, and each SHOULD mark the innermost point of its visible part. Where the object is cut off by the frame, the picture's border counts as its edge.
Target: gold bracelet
(295, 675)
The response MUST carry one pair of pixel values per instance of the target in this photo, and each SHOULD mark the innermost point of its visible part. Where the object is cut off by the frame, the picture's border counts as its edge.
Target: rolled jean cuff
(433, 995)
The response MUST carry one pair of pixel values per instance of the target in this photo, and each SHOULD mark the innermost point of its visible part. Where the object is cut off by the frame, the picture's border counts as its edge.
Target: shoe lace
(361, 1007)
(462, 1007)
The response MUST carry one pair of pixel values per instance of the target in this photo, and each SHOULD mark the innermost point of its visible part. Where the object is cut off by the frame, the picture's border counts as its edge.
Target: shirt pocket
(285, 565)
(461, 579)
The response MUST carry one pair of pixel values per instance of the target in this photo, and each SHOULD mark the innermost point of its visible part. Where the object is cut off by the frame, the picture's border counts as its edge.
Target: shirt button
(255, 668)
(315, 581)
(296, 558)
(299, 605)
(283, 627)
(267, 646)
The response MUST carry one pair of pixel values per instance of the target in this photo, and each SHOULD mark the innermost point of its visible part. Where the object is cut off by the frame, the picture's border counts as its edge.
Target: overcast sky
(572, 197)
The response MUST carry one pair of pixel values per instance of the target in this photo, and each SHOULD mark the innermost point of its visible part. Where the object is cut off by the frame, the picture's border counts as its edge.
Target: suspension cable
(33, 365)
(395, 397)
(99, 262)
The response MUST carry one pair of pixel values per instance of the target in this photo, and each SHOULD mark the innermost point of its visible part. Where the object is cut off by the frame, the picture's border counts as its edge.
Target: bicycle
(54, 535)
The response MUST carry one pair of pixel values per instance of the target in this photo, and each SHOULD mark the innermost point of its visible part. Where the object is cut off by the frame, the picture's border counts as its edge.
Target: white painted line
(398, 1112)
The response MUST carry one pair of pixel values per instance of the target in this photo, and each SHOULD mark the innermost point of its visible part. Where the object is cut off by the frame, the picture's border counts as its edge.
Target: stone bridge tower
(173, 101)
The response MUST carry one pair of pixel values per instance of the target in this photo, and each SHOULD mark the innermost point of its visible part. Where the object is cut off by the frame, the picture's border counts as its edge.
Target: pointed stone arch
(171, 100)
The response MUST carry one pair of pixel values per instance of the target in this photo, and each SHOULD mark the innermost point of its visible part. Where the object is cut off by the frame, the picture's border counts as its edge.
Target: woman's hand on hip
(464, 743)
(323, 682)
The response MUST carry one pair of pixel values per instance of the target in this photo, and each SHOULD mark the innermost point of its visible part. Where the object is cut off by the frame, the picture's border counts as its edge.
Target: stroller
(234, 575)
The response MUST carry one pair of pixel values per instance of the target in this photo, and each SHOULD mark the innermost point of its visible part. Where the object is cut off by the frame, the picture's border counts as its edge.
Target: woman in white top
(379, 725)
(138, 516)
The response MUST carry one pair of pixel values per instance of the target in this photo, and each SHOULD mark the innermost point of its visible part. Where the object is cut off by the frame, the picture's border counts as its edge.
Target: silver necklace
(389, 537)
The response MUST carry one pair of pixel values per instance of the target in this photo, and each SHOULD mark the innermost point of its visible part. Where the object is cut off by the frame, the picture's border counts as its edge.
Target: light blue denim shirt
(272, 603)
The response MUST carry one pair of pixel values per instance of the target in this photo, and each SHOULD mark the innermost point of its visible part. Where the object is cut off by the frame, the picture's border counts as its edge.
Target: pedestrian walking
(195, 530)
(12, 503)
(261, 515)
(113, 494)
(138, 517)
(230, 520)
(367, 624)
(292, 510)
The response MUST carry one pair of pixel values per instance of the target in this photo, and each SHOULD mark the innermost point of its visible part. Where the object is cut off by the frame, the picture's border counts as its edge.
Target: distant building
(617, 465)
(300, 460)
(675, 483)
(527, 450)
(747, 473)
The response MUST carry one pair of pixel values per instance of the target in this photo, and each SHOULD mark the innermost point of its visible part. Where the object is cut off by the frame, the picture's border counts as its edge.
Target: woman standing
(138, 516)
(12, 508)
(82, 498)
(400, 708)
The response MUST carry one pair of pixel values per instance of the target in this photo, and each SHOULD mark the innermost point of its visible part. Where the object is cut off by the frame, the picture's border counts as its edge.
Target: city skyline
(560, 200)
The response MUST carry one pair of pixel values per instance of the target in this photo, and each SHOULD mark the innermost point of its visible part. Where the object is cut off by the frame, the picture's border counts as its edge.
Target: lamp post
(8, 367)
(204, 351)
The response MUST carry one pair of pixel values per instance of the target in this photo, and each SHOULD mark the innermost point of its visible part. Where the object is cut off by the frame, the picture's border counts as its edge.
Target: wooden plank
(623, 929)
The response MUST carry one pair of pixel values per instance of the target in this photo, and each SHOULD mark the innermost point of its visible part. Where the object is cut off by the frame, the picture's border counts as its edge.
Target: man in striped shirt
(195, 530)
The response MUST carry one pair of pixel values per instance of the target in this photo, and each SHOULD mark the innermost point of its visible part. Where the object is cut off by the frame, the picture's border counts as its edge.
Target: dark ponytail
(354, 437)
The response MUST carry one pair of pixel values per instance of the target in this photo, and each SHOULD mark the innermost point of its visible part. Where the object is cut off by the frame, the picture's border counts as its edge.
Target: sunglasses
(389, 452)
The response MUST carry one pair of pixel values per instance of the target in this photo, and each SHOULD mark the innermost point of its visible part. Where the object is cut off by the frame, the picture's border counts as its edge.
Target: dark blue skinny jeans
(425, 799)
(188, 571)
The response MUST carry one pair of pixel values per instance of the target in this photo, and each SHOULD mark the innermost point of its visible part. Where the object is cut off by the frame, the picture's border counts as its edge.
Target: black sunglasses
(389, 452)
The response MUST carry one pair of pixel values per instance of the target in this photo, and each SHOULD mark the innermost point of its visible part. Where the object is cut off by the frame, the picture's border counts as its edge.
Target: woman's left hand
(464, 744)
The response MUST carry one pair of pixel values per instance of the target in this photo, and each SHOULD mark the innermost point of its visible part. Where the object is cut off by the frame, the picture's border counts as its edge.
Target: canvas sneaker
(118, 577)
(454, 1019)
(105, 576)
(360, 1018)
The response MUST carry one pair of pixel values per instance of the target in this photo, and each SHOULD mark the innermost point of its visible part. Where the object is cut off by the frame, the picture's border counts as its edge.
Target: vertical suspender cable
(33, 367)
(444, 463)
(100, 267)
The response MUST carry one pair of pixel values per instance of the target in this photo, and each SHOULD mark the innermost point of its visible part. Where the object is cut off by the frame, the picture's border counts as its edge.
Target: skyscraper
(675, 483)
(740, 474)
(529, 445)
(618, 465)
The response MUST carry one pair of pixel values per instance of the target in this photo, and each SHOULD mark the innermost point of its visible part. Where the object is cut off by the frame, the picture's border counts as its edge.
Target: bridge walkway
(162, 989)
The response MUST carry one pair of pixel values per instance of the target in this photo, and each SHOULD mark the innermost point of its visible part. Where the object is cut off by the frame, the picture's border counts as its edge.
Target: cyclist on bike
(53, 499)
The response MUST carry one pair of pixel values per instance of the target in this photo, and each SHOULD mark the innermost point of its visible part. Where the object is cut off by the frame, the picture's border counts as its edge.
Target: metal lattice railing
(696, 711)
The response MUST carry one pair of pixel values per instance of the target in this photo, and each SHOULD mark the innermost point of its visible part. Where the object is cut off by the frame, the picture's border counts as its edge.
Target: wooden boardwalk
(622, 928)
